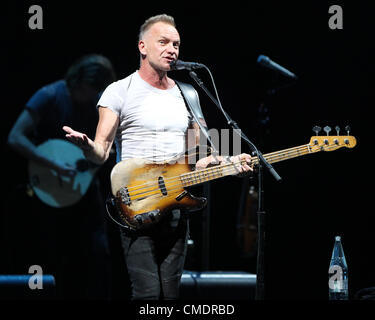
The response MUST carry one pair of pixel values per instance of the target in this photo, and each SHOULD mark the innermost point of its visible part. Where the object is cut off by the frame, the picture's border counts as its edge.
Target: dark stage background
(320, 196)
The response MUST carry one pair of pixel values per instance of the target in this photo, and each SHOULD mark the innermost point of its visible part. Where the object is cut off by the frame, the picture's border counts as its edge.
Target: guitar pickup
(162, 187)
(181, 195)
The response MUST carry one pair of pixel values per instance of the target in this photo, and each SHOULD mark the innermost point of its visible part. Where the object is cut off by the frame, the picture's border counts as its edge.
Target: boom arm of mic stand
(234, 125)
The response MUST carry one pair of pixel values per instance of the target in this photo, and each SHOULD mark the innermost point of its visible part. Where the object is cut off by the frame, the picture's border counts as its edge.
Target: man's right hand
(79, 139)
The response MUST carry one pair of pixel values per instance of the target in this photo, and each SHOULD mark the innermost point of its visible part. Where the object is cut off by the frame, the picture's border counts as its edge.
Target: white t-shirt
(153, 122)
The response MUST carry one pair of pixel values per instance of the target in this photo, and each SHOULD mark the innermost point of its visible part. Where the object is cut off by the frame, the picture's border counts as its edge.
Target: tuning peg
(347, 128)
(327, 129)
(337, 130)
(317, 129)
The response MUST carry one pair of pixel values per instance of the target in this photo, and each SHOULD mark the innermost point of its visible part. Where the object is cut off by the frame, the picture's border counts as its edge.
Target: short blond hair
(152, 20)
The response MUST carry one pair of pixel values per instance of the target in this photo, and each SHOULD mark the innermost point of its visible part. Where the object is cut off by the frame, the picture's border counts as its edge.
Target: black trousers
(155, 259)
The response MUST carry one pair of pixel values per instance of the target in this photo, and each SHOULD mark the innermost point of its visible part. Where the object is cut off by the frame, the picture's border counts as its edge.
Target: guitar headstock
(331, 143)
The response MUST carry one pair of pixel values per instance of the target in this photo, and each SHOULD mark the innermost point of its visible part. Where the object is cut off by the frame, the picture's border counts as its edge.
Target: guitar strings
(279, 156)
(215, 170)
(180, 183)
(269, 157)
(170, 187)
(196, 176)
(220, 170)
(199, 175)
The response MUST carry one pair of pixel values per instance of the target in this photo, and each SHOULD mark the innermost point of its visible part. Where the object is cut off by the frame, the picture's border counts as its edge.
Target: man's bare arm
(97, 151)
(19, 140)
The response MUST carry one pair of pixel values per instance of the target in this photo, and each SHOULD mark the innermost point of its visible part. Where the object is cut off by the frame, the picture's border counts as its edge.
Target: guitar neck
(216, 172)
(285, 154)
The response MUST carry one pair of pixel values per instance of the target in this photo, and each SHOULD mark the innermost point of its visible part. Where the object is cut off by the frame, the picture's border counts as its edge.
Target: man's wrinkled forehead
(163, 30)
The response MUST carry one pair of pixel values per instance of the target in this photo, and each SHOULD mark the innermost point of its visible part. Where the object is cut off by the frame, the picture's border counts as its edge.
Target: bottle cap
(338, 238)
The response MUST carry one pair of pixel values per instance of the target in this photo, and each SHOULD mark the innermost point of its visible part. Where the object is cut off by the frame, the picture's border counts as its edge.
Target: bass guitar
(144, 192)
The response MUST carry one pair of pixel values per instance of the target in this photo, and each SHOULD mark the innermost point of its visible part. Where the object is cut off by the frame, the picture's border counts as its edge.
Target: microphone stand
(260, 290)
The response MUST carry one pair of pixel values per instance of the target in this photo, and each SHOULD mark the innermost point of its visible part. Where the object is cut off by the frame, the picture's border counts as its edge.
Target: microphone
(267, 62)
(180, 65)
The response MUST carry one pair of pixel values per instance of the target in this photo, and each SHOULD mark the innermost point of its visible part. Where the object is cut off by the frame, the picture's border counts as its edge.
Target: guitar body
(145, 192)
(58, 191)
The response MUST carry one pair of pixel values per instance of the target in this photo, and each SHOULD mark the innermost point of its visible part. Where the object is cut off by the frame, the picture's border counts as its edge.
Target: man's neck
(157, 79)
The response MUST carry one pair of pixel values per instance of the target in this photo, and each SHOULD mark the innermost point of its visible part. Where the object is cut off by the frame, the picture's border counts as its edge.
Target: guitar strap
(191, 98)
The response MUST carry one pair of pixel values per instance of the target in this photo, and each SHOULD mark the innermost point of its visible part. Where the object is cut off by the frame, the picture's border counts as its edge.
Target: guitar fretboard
(216, 172)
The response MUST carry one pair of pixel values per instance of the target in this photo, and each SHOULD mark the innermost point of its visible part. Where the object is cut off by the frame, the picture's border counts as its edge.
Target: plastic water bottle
(338, 273)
